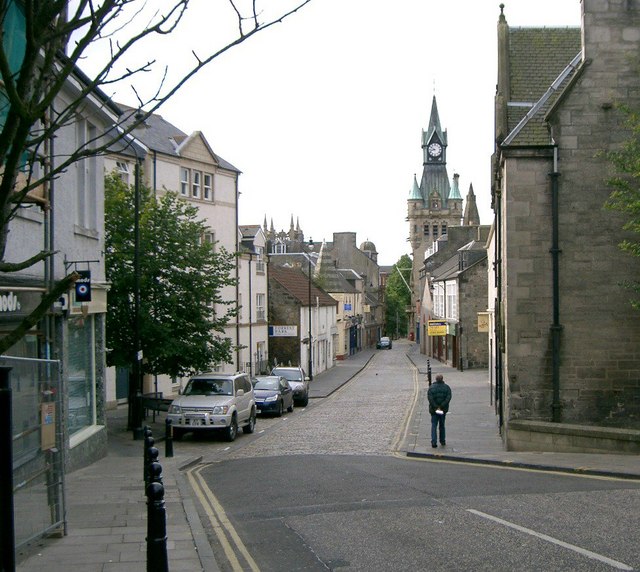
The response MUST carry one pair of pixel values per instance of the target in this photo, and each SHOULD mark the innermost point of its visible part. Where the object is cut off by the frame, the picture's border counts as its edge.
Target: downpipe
(556, 328)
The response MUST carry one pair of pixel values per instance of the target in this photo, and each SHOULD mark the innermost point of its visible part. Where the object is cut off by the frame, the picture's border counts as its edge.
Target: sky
(323, 113)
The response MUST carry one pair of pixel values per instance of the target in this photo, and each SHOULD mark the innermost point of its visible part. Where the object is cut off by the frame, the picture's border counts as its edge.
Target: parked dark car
(298, 381)
(384, 343)
(273, 394)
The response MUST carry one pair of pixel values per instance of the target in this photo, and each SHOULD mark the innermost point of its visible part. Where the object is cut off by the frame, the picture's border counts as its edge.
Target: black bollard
(157, 560)
(155, 472)
(429, 372)
(148, 444)
(168, 439)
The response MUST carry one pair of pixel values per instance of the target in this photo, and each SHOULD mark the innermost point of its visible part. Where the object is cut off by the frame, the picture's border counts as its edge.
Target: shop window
(81, 373)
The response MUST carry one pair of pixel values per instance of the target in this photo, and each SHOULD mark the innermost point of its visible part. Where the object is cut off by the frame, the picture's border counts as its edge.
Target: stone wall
(472, 291)
(599, 358)
(283, 310)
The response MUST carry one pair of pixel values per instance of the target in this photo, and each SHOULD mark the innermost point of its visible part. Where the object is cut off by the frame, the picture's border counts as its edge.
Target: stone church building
(564, 335)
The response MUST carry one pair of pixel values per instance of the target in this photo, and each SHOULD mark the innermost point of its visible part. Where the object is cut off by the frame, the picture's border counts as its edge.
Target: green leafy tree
(398, 298)
(625, 196)
(181, 278)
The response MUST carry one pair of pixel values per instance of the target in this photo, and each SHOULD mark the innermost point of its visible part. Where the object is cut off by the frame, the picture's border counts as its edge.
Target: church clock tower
(434, 205)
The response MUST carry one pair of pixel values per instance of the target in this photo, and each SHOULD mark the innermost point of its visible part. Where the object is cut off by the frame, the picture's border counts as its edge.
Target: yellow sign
(437, 328)
(483, 321)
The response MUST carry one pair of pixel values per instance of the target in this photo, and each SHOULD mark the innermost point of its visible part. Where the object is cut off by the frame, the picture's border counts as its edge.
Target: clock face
(435, 150)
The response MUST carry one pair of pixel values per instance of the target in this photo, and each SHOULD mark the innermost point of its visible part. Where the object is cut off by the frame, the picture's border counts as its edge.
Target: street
(321, 489)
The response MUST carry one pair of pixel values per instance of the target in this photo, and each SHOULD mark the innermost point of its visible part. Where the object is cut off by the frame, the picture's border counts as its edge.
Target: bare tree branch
(36, 315)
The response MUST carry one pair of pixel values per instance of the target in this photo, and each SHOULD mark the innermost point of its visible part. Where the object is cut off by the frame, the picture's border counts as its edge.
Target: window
(444, 229)
(279, 247)
(434, 231)
(195, 189)
(122, 167)
(208, 187)
(209, 237)
(184, 182)
(452, 301)
(438, 299)
(81, 367)
(260, 309)
(87, 181)
(259, 259)
(425, 230)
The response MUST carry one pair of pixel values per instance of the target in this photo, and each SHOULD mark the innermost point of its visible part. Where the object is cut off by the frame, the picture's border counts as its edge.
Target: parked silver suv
(214, 402)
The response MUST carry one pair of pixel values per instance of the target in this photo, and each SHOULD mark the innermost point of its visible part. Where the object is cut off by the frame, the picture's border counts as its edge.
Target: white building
(68, 218)
(185, 164)
(253, 333)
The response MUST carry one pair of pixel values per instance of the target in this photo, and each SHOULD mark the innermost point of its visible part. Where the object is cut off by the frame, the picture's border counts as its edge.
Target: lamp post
(135, 380)
(310, 340)
(136, 415)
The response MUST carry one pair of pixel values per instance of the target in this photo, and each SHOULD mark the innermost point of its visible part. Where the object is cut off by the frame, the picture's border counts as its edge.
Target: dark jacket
(439, 395)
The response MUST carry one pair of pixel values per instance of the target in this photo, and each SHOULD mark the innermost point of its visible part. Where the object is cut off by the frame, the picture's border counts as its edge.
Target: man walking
(439, 396)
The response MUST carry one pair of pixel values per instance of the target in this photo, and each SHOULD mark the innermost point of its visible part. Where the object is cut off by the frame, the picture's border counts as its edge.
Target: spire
(434, 119)
(454, 192)
(264, 224)
(471, 216)
(324, 263)
(291, 223)
(415, 194)
(434, 136)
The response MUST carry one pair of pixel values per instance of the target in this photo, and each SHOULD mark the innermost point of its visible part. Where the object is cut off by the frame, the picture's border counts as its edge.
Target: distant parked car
(214, 402)
(273, 394)
(384, 343)
(298, 381)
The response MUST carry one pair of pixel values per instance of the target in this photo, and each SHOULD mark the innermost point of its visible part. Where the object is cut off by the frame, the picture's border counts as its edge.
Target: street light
(310, 341)
(136, 413)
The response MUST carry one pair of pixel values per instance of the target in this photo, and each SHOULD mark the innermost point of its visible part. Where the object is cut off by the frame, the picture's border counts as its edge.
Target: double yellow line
(222, 527)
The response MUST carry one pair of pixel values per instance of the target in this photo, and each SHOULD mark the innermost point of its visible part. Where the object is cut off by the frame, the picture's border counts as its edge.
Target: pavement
(106, 505)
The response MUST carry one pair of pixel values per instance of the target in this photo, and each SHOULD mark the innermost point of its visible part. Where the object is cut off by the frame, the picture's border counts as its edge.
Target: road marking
(220, 522)
(583, 551)
(403, 432)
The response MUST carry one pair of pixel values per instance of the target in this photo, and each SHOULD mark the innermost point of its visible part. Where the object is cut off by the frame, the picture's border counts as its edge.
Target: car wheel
(232, 430)
(251, 426)
(290, 408)
(279, 410)
(305, 400)
(177, 434)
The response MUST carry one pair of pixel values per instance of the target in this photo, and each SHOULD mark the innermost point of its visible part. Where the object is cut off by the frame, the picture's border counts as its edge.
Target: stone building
(299, 310)
(453, 283)
(566, 337)
(364, 318)
(433, 206)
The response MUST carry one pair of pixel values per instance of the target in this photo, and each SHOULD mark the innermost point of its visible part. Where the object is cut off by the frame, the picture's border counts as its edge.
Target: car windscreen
(266, 384)
(290, 375)
(209, 387)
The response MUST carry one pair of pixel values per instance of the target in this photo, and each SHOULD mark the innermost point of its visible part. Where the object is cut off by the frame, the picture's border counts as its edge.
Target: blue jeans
(437, 420)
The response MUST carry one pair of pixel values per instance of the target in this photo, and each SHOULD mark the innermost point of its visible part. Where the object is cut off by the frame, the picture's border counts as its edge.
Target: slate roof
(539, 69)
(332, 280)
(163, 137)
(296, 284)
